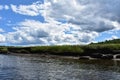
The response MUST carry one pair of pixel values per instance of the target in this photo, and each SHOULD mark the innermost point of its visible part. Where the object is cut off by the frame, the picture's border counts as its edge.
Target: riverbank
(91, 51)
(45, 56)
(105, 57)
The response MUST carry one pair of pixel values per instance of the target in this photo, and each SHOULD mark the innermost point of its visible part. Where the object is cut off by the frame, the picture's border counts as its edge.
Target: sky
(58, 22)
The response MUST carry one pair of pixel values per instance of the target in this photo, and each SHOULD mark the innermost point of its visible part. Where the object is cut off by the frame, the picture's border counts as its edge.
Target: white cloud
(113, 37)
(35, 32)
(2, 38)
(84, 20)
(31, 10)
(1, 30)
(6, 7)
(116, 24)
(92, 15)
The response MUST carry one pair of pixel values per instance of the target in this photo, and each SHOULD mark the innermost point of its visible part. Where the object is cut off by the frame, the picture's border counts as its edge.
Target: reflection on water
(34, 67)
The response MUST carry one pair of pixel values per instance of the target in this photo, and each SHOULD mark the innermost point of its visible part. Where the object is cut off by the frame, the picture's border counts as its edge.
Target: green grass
(58, 50)
(69, 50)
(104, 46)
(3, 49)
(101, 48)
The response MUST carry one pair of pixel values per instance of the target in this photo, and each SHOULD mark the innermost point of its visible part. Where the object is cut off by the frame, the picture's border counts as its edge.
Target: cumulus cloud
(2, 38)
(66, 21)
(92, 15)
(31, 10)
(35, 32)
(113, 37)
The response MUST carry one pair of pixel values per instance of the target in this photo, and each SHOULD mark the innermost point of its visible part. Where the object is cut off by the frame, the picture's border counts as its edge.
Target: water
(35, 67)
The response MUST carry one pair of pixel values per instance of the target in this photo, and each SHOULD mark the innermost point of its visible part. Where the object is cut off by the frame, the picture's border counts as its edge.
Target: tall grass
(58, 50)
(104, 46)
(101, 48)
(72, 50)
(3, 49)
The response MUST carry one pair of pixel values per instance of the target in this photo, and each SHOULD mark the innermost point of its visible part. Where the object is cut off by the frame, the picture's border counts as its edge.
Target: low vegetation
(115, 41)
(58, 50)
(101, 48)
(107, 47)
(3, 49)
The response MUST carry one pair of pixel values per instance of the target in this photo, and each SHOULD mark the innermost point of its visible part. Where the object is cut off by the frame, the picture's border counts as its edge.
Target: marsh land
(102, 50)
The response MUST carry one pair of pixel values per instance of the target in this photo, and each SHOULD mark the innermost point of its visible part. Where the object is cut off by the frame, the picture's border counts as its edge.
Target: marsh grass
(58, 50)
(3, 49)
(69, 50)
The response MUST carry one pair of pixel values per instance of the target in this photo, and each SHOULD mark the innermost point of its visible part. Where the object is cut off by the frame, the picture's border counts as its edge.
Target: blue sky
(58, 22)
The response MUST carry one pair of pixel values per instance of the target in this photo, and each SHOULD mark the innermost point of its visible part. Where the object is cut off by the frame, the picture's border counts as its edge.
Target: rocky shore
(114, 56)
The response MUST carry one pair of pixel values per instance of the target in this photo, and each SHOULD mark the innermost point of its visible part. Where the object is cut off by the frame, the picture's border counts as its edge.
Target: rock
(107, 56)
(96, 55)
(116, 51)
(84, 57)
(118, 56)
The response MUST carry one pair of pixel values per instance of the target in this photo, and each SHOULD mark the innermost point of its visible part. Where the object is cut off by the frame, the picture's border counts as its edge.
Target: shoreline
(91, 51)
(45, 55)
(62, 56)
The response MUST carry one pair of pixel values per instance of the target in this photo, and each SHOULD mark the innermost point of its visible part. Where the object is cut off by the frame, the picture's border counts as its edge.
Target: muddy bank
(87, 57)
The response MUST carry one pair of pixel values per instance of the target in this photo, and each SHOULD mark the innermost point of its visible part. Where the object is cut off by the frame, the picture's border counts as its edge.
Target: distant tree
(114, 41)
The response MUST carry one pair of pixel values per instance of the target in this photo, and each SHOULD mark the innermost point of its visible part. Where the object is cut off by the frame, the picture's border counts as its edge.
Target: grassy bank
(101, 48)
(3, 49)
(68, 50)
(59, 50)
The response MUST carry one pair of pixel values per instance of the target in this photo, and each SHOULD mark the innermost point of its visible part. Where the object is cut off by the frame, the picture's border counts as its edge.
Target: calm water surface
(34, 67)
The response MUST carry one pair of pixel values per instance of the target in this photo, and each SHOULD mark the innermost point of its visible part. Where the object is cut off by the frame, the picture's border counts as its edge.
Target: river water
(35, 67)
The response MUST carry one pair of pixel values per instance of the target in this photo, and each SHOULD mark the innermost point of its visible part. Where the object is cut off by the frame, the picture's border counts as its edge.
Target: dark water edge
(36, 67)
